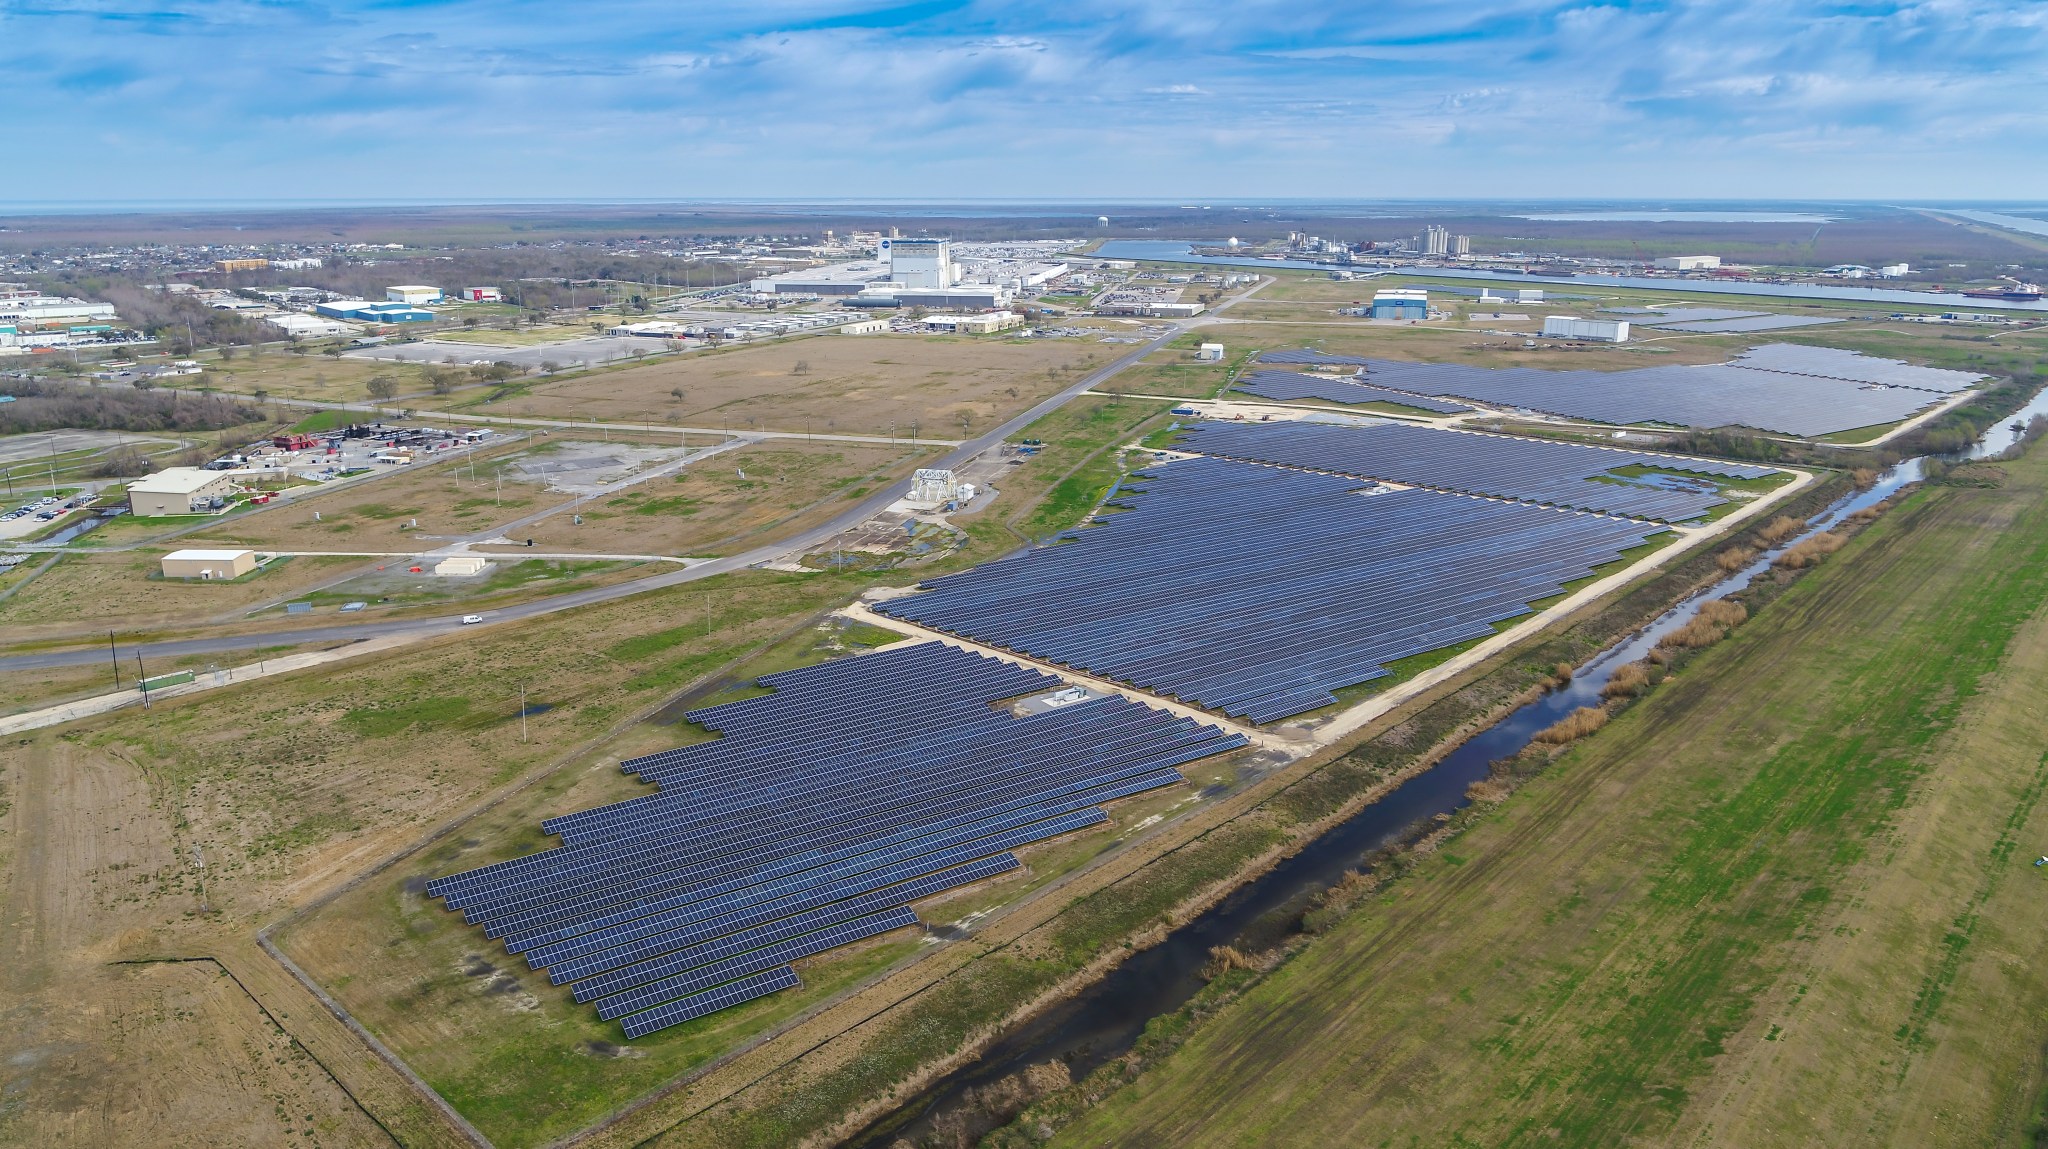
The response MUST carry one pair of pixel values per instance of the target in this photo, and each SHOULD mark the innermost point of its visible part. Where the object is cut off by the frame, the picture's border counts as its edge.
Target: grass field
(708, 508)
(848, 384)
(1786, 900)
(87, 594)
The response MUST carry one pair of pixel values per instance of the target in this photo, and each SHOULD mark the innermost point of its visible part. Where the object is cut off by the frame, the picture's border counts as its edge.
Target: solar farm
(1257, 591)
(1792, 390)
(1716, 320)
(1557, 474)
(816, 817)
(1292, 385)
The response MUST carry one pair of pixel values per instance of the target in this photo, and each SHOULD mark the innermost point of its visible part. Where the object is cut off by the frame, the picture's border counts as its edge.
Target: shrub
(1574, 726)
(1712, 624)
(1734, 558)
(1627, 681)
(1810, 551)
(1779, 529)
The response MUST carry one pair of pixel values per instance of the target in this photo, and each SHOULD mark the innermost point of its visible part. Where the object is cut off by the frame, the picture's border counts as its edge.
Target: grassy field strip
(1859, 1044)
(1572, 969)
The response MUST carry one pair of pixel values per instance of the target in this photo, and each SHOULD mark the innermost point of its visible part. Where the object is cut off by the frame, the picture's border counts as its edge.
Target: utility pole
(143, 679)
(114, 656)
(522, 712)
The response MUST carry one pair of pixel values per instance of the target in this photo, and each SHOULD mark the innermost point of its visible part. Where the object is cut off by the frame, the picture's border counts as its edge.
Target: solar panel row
(818, 815)
(1755, 323)
(1833, 363)
(1715, 395)
(1257, 591)
(1308, 357)
(1287, 386)
(1560, 474)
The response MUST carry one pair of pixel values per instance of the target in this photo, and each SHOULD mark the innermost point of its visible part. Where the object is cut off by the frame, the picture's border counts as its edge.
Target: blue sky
(944, 99)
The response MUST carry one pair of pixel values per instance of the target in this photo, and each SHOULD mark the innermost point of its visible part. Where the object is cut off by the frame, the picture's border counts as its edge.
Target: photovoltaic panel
(1660, 316)
(815, 817)
(1257, 590)
(1854, 366)
(710, 1001)
(1714, 395)
(1292, 385)
(1307, 357)
(1756, 323)
(1560, 474)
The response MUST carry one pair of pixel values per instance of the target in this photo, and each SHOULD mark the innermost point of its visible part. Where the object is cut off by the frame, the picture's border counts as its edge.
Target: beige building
(178, 491)
(230, 266)
(462, 566)
(986, 323)
(209, 564)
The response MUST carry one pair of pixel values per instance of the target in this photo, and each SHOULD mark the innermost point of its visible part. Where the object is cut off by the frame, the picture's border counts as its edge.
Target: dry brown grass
(1864, 478)
(1810, 551)
(1562, 672)
(1488, 791)
(1574, 726)
(1735, 558)
(854, 384)
(1627, 681)
(1779, 529)
(86, 594)
(1712, 624)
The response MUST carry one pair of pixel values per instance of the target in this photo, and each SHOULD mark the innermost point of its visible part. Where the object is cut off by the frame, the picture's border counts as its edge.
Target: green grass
(320, 421)
(1616, 925)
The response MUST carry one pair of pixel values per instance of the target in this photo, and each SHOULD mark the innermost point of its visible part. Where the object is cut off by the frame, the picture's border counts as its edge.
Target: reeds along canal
(1104, 1020)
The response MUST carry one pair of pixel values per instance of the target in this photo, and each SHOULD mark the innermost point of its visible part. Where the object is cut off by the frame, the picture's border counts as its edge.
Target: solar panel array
(820, 813)
(1755, 323)
(1288, 385)
(1717, 395)
(1560, 474)
(1832, 363)
(1666, 315)
(1257, 591)
(1308, 357)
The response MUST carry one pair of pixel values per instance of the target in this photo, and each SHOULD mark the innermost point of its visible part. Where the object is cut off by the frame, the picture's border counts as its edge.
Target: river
(1103, 1020)
(1182, 251)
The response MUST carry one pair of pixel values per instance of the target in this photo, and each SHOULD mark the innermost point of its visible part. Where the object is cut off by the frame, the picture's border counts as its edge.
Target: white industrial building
(986, 323)
(178, 491)
(1689, 262)
(413, 293)
(1210, 353)
(34, 308)
(832, 279)
(864, 327)
(462, 566)
(920, 262)
(310, 326)
(1597, 330)
(209, 564)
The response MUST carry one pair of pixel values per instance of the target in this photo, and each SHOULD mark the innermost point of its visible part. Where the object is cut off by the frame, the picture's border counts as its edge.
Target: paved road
(816, 536)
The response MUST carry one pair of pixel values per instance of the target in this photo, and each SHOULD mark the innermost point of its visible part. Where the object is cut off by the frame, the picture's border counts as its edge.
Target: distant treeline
(44, 405)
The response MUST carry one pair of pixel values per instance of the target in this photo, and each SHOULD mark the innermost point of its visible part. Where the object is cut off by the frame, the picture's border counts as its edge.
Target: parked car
(472, 619)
